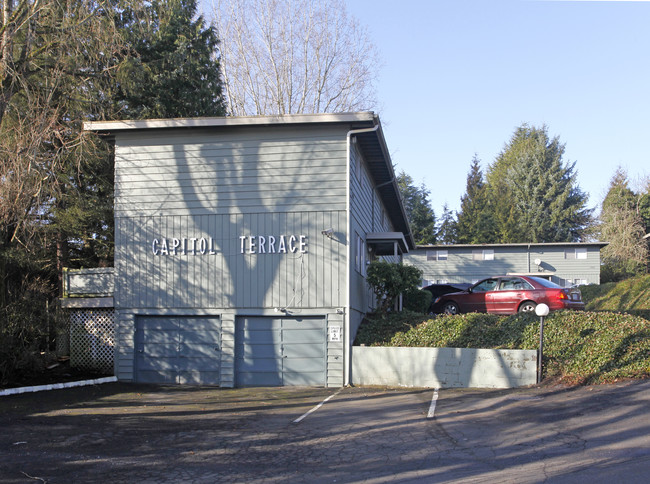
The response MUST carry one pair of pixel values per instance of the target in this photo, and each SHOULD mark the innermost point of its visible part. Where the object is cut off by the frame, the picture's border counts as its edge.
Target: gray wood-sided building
(241, 245)
(566, 264)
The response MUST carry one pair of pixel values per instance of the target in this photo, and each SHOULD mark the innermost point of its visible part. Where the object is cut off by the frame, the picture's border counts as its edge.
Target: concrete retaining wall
(443, 367)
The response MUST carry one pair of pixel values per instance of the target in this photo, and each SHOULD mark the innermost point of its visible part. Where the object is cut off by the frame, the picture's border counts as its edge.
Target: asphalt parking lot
(147, 434)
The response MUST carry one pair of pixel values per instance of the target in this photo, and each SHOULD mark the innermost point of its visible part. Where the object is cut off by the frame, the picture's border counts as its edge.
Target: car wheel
(527, 307)
(450, 308)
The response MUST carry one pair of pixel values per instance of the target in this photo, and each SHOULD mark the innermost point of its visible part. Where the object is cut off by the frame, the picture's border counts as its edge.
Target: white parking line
(318, 406)
(432, 408)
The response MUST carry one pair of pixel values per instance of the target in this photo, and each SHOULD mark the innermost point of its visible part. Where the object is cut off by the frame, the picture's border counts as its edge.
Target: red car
(509, 295)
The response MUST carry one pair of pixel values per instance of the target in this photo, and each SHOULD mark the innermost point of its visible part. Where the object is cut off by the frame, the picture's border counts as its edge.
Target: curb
(57, 386)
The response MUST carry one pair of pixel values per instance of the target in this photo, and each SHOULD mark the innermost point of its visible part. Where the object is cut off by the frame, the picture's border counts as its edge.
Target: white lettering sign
(271, 244)
(248, 244)
(183, 246)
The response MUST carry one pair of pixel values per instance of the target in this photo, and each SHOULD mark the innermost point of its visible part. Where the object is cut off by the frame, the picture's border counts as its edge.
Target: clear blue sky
(459, 76)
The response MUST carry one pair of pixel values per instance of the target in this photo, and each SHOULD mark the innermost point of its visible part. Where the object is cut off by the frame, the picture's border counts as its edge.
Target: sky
(459, 76)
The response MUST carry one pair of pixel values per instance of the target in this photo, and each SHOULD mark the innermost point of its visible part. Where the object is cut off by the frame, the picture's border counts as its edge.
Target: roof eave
(366, 118)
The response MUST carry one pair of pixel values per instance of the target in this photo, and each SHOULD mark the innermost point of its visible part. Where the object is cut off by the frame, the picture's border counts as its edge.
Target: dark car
(438, 290)
(509, 295)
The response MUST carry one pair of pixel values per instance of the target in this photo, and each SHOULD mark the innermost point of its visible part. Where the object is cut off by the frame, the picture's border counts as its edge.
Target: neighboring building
(566, 264)
(241, 245)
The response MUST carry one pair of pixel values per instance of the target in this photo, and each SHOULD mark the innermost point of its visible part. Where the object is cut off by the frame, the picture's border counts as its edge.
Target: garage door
(179, 350)
(280, 351)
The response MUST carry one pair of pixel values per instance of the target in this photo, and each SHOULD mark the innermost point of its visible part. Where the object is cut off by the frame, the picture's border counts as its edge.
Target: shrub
(389, 280)
(377, 329)
(417, 300)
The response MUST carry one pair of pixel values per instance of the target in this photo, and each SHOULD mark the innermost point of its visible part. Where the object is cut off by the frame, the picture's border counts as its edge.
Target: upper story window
(575, 253)
(483, 254)
(437, 255)
(360, 256)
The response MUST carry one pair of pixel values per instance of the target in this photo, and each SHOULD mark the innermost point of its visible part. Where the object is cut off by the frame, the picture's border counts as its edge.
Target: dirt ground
(49, 370)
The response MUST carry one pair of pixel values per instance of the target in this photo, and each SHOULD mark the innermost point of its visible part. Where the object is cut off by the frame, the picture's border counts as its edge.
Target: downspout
(347, 350)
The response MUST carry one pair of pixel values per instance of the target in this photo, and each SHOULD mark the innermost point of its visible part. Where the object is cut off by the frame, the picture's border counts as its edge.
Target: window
(576, 253)
(360, 256)
(437, 255)
(483, 254)
(514, 284)
(580, 282)
(486, 285)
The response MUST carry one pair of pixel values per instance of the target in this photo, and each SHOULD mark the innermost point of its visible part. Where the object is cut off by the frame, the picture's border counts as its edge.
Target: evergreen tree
(619, 195)
(535, 194)
(447, 228)
(622, 197)
(173, 71)
(422, 218)
(166, 69)
(475, 221)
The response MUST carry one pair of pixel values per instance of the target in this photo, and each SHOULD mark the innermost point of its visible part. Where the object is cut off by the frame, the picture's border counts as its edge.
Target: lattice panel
(92, 339)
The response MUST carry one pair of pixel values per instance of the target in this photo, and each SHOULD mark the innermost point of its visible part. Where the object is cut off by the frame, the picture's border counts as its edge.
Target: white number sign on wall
(335, 334)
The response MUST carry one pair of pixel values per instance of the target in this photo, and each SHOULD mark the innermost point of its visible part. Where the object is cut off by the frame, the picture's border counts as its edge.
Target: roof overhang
(522, 244)
(375, 152)
(366, 118)
(387, 243)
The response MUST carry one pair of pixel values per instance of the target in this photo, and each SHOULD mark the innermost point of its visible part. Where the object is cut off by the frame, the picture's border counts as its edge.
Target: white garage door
(280, 351)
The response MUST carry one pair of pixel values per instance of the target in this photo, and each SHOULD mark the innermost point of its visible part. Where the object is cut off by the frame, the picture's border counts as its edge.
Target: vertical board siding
(225, 184)
(228, 278)
(230, 171)
(366, 213)
(228, 350)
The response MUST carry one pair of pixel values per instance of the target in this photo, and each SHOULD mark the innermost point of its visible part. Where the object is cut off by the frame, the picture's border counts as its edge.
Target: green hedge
(579, 347)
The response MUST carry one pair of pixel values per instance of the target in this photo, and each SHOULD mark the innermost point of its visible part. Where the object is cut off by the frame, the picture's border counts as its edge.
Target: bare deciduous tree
(627, 251)
(52, 57)
(294, 56)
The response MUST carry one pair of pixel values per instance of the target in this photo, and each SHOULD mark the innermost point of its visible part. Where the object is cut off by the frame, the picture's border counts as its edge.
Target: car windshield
(546, 282)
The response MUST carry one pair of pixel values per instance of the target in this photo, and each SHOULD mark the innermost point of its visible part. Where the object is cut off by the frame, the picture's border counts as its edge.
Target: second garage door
(280, 351)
